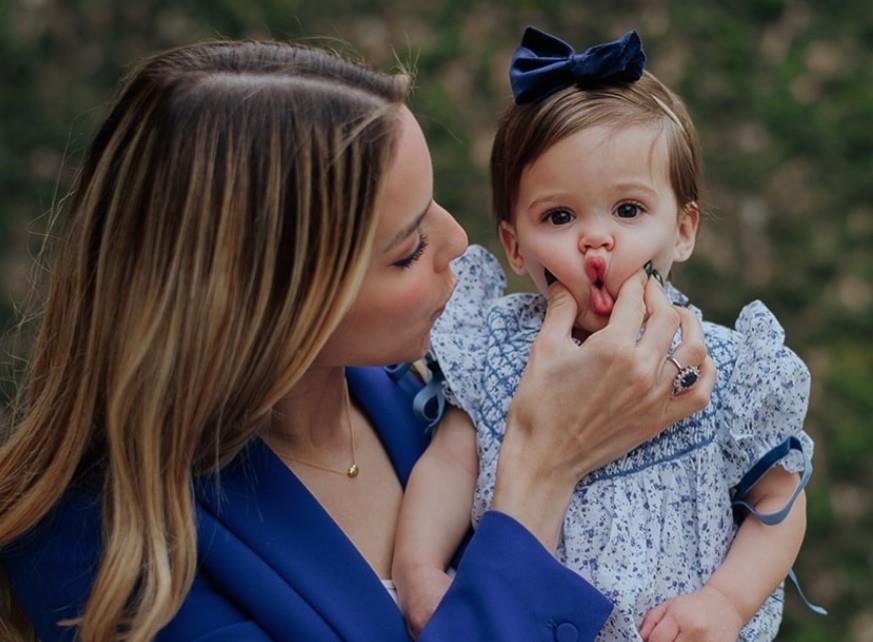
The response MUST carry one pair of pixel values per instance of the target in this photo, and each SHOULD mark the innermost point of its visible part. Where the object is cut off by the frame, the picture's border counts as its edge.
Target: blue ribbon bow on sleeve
(544, 64)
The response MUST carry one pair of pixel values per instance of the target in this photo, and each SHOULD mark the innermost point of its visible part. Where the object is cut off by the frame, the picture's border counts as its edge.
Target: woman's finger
(664, 320)
(695, 398)
(692, 350)
(629, 310)
(560, 316)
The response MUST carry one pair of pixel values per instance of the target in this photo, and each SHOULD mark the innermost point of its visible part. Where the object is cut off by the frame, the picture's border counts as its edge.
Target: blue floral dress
(658, 522)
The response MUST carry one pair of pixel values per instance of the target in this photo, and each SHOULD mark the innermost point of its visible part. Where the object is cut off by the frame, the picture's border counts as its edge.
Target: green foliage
(781, 91)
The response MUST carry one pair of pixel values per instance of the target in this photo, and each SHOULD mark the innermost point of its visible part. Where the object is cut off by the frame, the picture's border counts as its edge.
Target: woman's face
(408, 281)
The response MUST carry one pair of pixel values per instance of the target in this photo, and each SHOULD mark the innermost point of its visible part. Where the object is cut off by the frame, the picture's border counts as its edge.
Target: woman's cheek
(413, 298)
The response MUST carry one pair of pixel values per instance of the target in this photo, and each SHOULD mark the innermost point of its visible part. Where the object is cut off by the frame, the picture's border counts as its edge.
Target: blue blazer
(273, 565)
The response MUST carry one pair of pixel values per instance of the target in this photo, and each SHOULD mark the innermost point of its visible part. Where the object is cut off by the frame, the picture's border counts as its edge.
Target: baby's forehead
(602, 153)
(607, 137)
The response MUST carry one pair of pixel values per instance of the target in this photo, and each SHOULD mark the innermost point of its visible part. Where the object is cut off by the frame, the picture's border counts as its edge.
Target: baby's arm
(758, 561)
(434, 517)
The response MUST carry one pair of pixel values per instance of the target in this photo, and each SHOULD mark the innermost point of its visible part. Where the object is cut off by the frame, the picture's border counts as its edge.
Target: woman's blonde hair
(219, 229)
(526, 132)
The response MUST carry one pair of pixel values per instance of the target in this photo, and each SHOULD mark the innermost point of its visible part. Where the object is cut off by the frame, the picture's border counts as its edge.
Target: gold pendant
(352, 471)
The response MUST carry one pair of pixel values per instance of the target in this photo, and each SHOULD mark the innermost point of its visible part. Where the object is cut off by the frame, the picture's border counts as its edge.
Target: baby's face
(592, 210)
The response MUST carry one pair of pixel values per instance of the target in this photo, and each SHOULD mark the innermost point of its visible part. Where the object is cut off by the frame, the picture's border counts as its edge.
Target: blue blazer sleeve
(272, 564)
(509, 588)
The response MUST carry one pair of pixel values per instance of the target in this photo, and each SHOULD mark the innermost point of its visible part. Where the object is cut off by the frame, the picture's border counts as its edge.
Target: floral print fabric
(658, 522)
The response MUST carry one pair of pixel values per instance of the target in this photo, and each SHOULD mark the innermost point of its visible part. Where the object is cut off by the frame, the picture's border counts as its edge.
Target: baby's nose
(595, 237)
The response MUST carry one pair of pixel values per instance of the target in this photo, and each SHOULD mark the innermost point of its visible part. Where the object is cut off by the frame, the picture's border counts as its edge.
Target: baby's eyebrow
(634, 185)
(553, 198)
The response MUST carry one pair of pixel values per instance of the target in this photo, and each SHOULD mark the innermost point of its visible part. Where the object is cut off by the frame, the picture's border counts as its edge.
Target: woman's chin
(418, 351)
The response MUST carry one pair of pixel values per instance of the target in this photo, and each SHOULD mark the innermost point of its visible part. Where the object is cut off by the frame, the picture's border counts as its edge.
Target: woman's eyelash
(416, 254)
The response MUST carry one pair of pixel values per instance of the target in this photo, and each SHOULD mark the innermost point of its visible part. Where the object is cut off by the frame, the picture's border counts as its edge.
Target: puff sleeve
(766, 397)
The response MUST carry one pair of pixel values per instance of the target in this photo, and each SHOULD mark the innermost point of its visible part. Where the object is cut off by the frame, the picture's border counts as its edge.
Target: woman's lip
(442, 308)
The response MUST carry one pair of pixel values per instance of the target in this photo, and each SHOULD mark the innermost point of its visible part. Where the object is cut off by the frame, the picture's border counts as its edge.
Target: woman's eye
(559, 217)
(627, 210)
(407, 261)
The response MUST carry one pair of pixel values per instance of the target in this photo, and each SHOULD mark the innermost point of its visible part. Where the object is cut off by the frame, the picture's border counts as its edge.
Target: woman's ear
(686, 232)
(510, 247)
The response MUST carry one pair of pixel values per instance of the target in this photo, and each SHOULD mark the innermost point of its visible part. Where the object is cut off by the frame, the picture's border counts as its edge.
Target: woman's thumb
(560, 314)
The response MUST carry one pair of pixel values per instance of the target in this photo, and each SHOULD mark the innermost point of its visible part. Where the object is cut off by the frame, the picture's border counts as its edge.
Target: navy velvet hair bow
(544, 64)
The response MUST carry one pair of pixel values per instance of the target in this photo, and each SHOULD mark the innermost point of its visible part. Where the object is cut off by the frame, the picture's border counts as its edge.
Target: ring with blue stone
(685, 378)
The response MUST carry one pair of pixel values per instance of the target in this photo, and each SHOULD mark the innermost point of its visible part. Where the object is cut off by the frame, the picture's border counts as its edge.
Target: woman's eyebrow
(407, 229)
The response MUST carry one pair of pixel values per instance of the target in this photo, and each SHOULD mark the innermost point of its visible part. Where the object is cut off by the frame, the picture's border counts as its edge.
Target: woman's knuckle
(639, 379)
(687, 316)
(699, 350)
(625, 357)
(699, 398)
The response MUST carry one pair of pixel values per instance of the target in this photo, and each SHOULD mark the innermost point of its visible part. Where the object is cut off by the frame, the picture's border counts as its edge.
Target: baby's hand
(420, 597)
(705, 616)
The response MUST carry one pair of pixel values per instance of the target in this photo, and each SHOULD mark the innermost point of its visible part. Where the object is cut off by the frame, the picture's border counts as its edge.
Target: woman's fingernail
(652, 272)
(550, 278)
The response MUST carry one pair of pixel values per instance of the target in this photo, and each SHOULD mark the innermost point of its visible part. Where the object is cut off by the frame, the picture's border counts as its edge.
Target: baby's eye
(627, 210)
(559, 217)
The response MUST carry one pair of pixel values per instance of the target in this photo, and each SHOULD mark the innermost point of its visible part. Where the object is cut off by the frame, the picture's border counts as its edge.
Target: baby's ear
(510, 246)
(686, 232)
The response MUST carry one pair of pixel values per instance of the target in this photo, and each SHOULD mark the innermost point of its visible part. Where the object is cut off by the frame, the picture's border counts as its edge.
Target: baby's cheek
(636, 256)
(621, 272)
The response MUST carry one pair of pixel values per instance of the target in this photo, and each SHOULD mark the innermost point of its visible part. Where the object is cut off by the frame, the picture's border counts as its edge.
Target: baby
(595, 172)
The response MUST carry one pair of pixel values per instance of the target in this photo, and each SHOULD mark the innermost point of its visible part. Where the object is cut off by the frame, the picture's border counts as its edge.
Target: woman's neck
(313, 418)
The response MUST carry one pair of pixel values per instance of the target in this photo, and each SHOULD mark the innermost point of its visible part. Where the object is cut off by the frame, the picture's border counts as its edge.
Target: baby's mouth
(600, 299)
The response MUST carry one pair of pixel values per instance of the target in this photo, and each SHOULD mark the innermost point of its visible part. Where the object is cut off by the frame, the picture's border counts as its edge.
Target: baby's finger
(651, 620)
(667, 630)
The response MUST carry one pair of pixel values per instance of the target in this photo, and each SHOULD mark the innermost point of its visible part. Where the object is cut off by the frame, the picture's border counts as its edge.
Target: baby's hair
(525, 132)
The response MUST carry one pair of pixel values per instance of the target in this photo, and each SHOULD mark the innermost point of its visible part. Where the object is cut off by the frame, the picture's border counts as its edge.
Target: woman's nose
(452, 239)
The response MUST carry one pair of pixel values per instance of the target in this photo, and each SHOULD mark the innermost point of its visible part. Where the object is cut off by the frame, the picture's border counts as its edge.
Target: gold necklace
(353, 470)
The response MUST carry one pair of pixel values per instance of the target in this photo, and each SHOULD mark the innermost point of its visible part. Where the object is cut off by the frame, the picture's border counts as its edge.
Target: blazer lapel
(265, 506)
(388, 404)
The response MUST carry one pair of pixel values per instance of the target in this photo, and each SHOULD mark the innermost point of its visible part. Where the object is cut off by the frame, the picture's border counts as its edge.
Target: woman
(252, 232)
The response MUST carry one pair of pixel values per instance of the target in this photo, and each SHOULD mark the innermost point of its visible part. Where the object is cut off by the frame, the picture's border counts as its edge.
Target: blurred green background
(782, 94)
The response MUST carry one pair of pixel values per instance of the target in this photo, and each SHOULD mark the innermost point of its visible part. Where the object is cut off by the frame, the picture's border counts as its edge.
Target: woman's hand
(580, 407)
